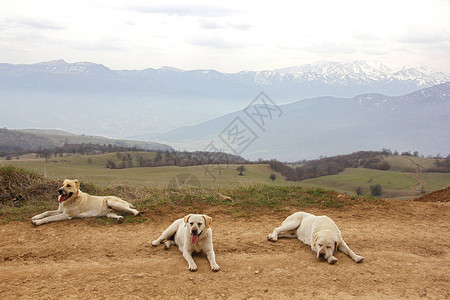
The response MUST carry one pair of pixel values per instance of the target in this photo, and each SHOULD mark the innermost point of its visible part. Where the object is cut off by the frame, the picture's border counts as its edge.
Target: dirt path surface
(418, 187)
(405, 243)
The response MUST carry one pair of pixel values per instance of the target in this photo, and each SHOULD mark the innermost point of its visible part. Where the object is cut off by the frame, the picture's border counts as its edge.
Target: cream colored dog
(191, 234)
(73, 203)
(319, 232)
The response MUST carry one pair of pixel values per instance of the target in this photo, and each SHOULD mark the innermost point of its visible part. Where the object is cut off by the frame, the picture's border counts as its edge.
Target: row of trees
(172, 158)
(334, 165)
(441, 166)
(82, 149)
(331, 165)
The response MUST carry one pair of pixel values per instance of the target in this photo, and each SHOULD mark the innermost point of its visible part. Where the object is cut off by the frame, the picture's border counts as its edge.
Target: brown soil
(436, 196)
(405, 244)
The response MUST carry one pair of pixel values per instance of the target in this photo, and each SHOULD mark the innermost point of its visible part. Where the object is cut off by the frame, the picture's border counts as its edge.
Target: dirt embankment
(405, 244)
(436, 196)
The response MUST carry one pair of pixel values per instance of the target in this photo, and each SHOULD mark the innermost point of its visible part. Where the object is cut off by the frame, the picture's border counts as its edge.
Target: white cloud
(199, 10)
(229, 37)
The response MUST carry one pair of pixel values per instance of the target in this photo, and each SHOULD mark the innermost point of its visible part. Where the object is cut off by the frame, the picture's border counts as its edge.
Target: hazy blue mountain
(328, 126)
(93, 99)
(36, 139)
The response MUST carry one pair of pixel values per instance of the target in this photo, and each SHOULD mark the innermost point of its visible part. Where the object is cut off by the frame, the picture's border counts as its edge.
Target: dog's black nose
(60, 191)
(194, 232)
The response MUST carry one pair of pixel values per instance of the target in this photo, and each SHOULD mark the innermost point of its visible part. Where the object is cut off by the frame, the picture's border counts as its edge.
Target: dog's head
(197, 224)
(325, 244)
(69, 189)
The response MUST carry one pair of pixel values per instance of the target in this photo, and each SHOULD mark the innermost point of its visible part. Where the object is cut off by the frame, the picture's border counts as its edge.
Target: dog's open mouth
(194, 237)
(62, 198)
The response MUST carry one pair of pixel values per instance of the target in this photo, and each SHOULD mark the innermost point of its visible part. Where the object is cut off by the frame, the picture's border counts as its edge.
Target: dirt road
(405, 243)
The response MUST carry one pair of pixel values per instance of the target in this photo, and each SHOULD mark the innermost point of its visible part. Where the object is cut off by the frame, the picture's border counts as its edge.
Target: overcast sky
(228, 36)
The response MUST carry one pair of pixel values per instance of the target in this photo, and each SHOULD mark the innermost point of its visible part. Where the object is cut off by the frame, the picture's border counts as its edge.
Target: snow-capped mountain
(331, 74)
(124, 103)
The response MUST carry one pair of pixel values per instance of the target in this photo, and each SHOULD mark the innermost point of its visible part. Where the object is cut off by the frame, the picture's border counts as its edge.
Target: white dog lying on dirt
(191, 234)
(319, 232)
(73, 203)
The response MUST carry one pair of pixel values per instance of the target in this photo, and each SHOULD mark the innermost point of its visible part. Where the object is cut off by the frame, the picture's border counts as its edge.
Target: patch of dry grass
(24, 193)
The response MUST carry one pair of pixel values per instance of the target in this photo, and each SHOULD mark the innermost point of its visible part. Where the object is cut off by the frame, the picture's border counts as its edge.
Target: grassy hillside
(24, 193)
(92, 168)
(402, 180)
(394, 183)
(409, 163)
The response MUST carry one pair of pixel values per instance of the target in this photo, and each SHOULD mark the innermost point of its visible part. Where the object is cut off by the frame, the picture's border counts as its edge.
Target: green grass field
(435, 181)
(396, 182)
(408, 163)
(92, 168)
(25, 193)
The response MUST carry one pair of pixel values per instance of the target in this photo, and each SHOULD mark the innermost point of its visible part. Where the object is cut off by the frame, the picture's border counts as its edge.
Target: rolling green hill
(92, 168)
(409, 163)
(404, 179)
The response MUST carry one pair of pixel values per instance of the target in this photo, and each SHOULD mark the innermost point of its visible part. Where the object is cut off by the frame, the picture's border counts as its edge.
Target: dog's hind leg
(121, 205)
(167, 234)
(287, 229)
(288, 234)
(168, 243)
(115, 216)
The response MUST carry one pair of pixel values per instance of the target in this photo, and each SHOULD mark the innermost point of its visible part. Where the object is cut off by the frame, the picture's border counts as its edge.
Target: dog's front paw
(120, 220)
(156, 243)
(272, 238)
(35, 222)
(193, 268)
(215, 268)
(331, 260)
(35, 217)
(359, 259)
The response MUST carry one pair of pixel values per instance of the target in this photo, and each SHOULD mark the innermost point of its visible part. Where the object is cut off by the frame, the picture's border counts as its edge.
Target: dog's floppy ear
(77, 183)
(208, 220)
(186, 219)
(314, 239)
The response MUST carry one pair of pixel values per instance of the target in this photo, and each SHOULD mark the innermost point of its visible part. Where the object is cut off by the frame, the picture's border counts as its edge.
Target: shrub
(376, 190)
(359, 191)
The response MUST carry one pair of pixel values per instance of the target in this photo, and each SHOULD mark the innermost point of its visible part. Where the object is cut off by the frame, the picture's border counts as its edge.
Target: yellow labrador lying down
(191, 234)
(73, 203)
(319, 232)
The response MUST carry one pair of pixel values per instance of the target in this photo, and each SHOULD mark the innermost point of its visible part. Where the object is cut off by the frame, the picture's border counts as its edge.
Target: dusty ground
(405, 243)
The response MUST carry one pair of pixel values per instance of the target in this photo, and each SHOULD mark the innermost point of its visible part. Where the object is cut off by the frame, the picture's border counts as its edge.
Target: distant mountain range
(13, 141)
(327, 126)
(88, 98)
